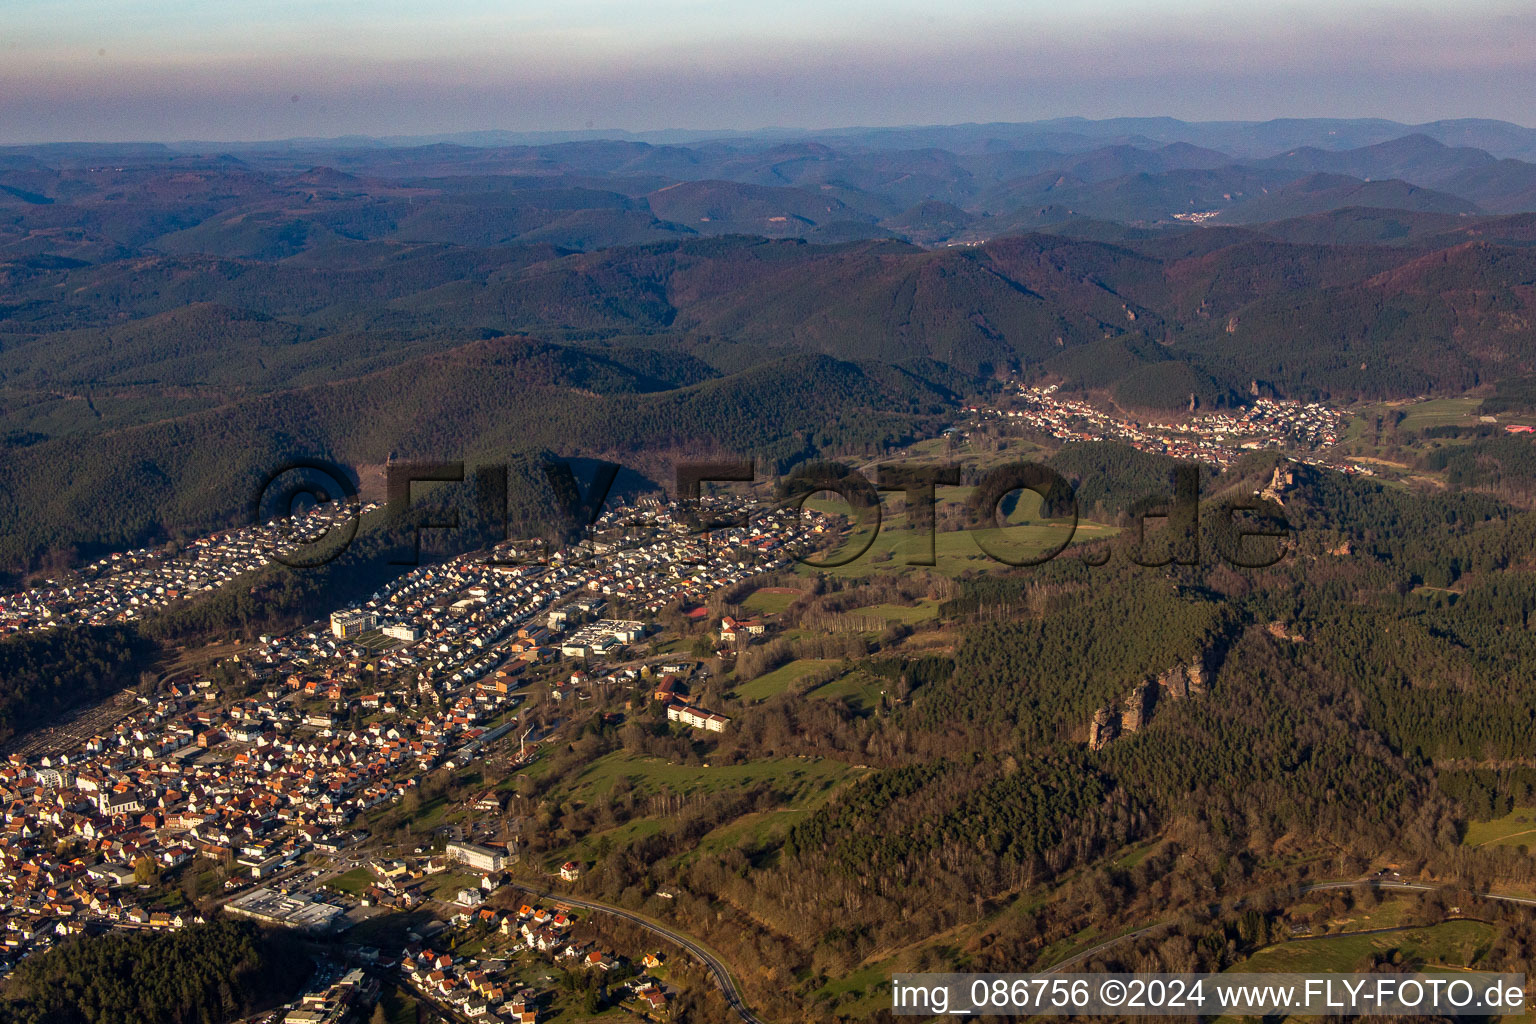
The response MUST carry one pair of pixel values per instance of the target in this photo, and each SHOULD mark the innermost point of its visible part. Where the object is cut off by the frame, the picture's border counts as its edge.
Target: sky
(110, 70)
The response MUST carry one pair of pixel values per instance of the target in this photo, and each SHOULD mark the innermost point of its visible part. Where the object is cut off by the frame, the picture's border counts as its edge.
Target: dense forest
(204, 974)
(488, 403)
(45, 675)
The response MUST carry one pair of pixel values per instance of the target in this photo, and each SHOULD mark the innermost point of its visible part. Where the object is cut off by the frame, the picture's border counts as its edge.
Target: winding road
(733, 997)
(716, 967)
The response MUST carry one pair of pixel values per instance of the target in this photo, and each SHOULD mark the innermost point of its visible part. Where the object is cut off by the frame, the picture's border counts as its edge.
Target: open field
(586, 849)
(859, 688)
(1516, 828)
(871, 984)
(750, 829)
(1386, 449)
(780, 679)
(399, 1006)
(770, 600)
(1448, 944)
(1439, 412)
(448, 884)
(1026, 534)
(803, 784)
(968, 453)
(798, 777)
(1417, 415)
(954, 551)
(1391, 912)
(922, 611)
(760, 827)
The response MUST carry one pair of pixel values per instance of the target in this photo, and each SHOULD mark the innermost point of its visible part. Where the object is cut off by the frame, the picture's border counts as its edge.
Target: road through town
(721, 973)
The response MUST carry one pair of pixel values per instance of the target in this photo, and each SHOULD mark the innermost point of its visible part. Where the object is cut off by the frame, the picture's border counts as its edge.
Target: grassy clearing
(778, 681)
(1449, 944)
(871, 984)
(798, 777)
(752, 829)
(1440, 412)
(354, 881)
(399, 1006)
(1136, 854)
(953, 552)
(770, 601)
(447, 885)
(1433, 412)
(1426, 589)
(435, 813)
(1391, 912)
(585, 849)
(964, 452)
(858, 688)
(1514, 829)
(1378, 446)
(1026, 535)
(923, 611)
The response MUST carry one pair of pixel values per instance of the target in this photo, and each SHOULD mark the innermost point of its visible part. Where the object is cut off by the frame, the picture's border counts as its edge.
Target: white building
(485, 858)
(698, 718)
(348, 624)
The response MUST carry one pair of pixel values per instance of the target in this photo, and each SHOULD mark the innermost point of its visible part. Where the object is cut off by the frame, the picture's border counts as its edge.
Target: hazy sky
(263, 69)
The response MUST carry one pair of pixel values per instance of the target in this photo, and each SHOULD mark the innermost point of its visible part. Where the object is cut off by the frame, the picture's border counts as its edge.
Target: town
(243, 788)
(1304, 430)
(126, 586)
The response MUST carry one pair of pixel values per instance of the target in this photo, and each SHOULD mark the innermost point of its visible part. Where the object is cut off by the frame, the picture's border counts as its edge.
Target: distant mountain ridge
(593, 193)
(1238, 138)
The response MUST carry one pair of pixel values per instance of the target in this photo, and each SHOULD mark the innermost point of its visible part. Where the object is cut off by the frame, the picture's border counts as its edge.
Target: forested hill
(86, 345)
(163, 413)
(45, 675)
(173, 324)
(495, 402)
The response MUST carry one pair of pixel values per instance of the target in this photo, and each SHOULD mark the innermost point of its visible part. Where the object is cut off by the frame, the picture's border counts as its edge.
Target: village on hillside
(1304, 430)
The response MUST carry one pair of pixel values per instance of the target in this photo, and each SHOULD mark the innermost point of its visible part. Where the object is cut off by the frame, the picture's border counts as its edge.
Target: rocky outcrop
(1136, 708)
(1102, 729)
(1182, 681)
(1280, 631)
